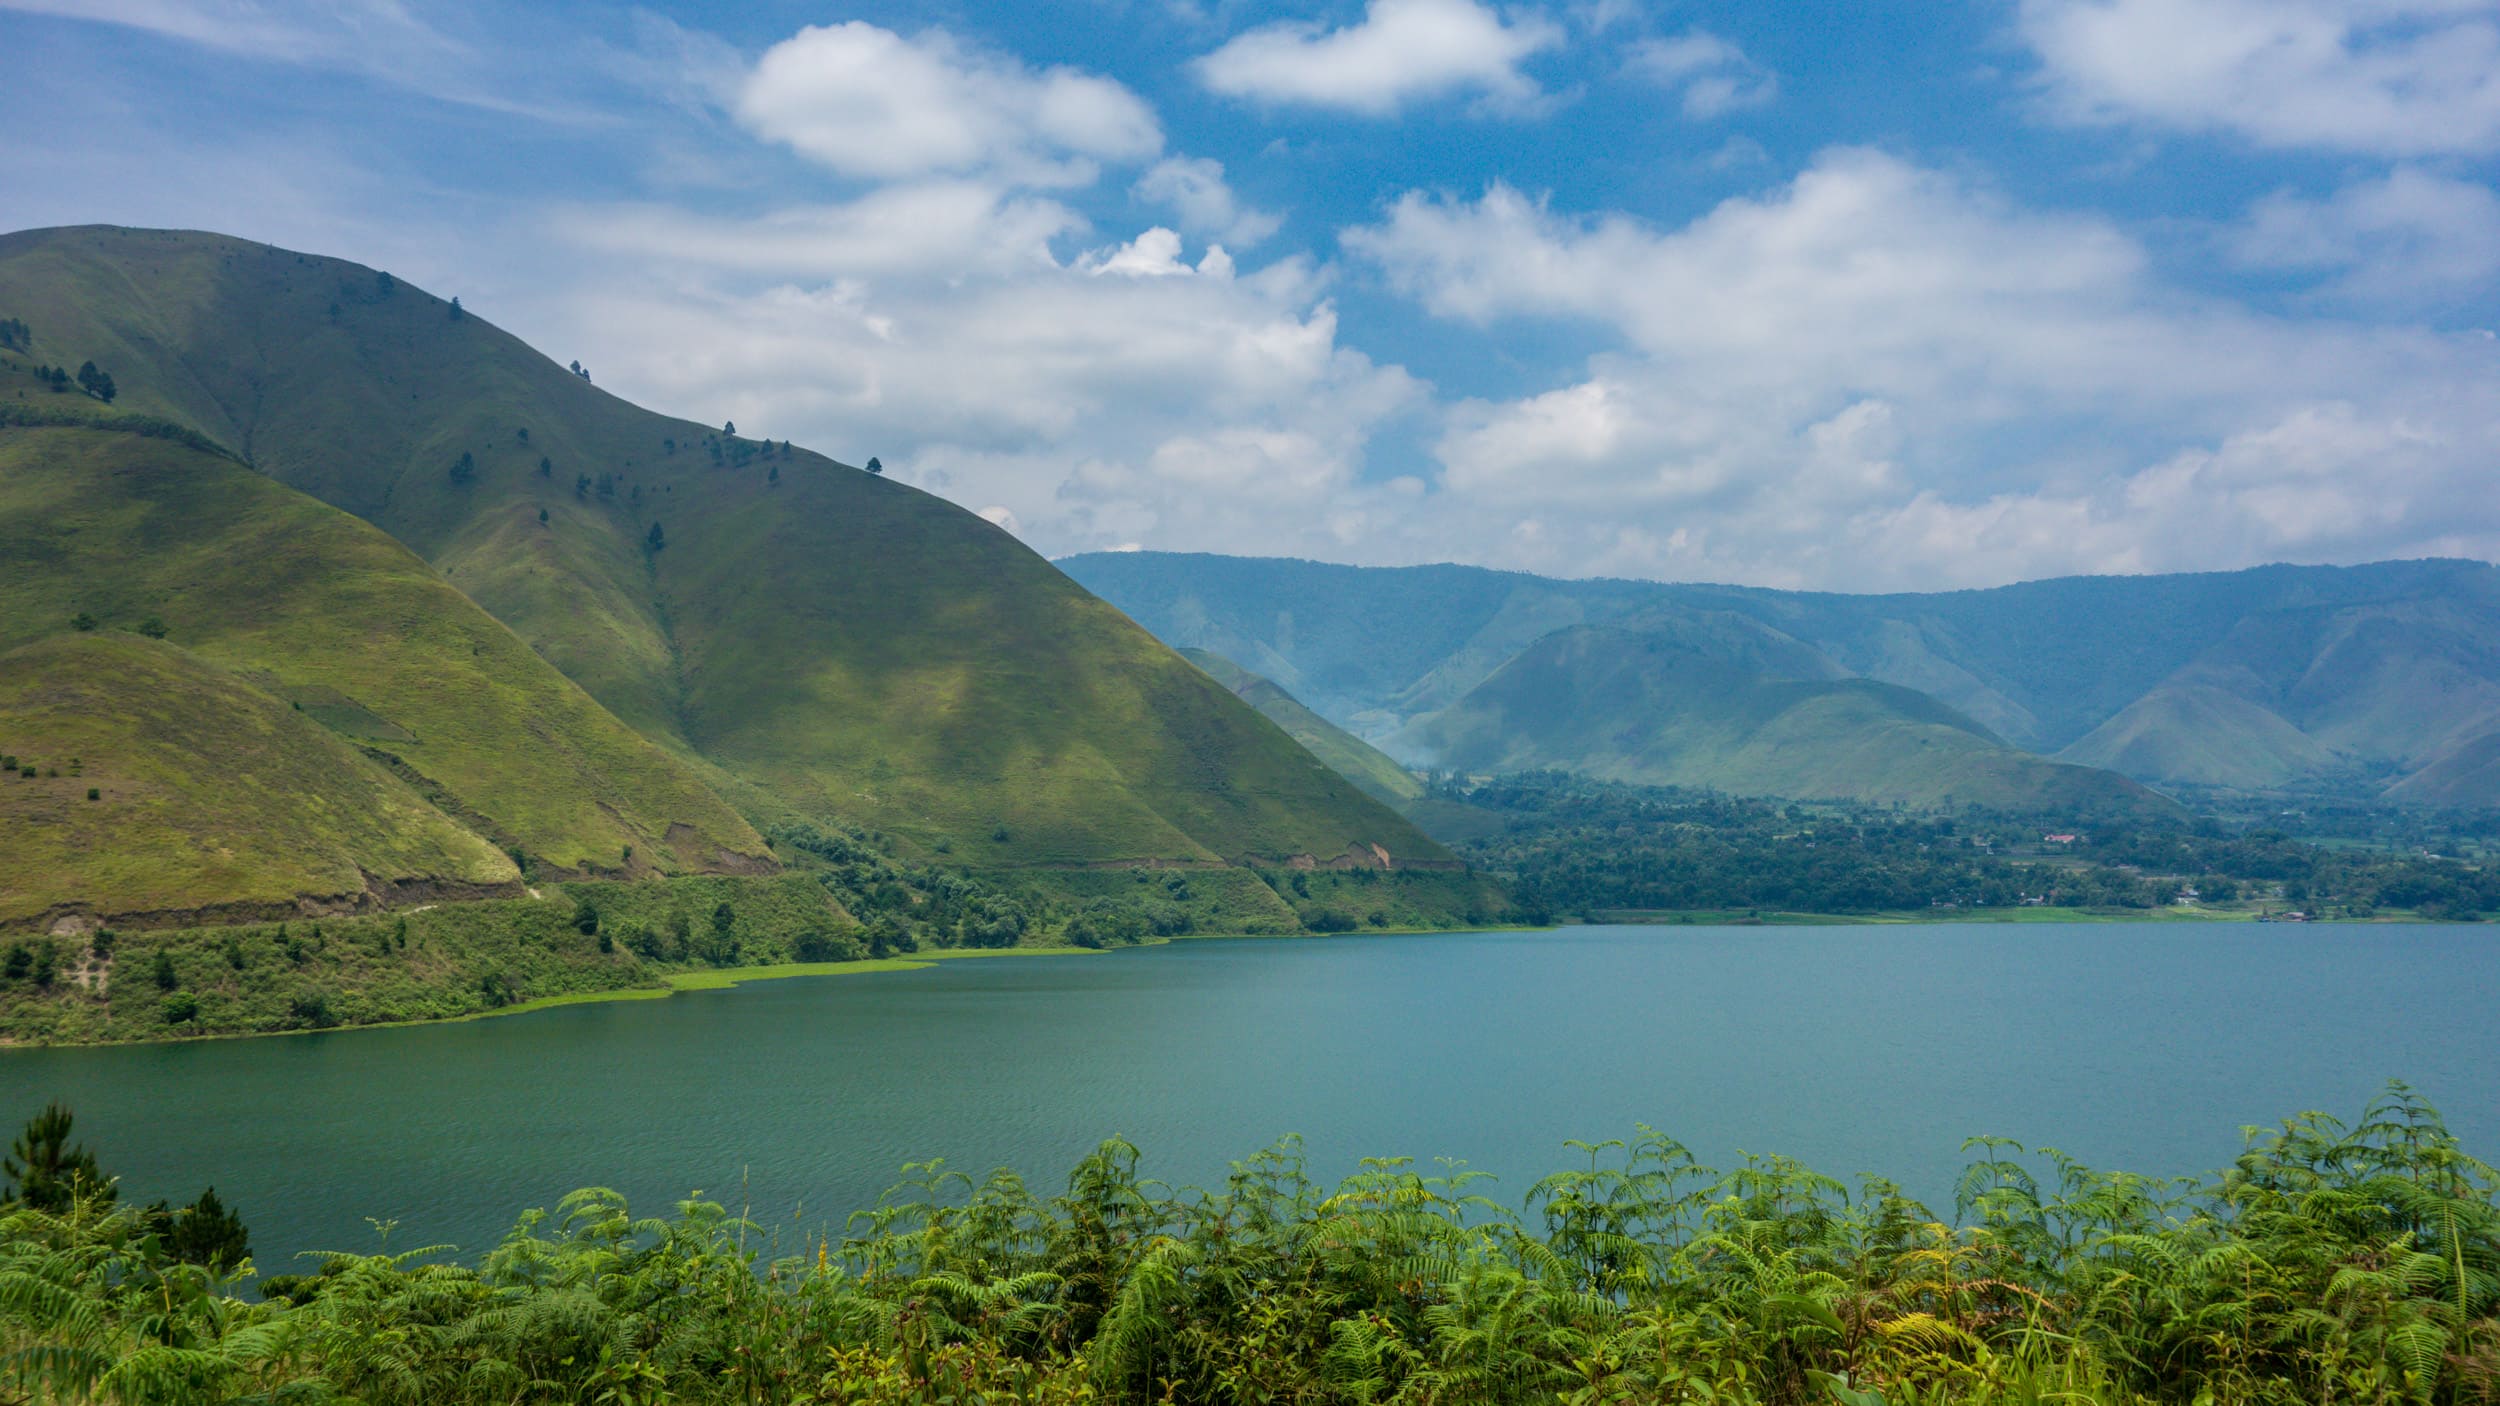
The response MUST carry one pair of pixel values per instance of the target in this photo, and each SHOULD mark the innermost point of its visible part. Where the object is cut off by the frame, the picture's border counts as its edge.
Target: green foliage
(1588, 847)
(2329, 1263)
(45, 1171)
(96, 382)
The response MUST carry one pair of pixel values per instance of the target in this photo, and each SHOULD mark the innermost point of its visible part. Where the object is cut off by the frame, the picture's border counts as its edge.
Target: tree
(204, 1233)
(875, 467)
(456, 313)
(464, 469)
(180, 1008)
(153, 628)
(83, 623)
(162, 970)
(585, 917)
(773, 475)
(44, 1171)
(656, 540)
(729, 427)
(546, 466)
(95, 382)
(542, 517)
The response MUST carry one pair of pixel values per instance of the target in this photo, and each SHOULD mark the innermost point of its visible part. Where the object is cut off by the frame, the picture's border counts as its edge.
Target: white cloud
(2410, 240)
(2395, 77)
(1194, 188)
(869, 102)
(1404, 51)
(1145, 390)
(1880, 375)
(934, 227)
(1712, 75)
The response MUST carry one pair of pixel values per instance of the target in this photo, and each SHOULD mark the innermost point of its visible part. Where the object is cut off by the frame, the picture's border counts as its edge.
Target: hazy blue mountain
(2346, 680)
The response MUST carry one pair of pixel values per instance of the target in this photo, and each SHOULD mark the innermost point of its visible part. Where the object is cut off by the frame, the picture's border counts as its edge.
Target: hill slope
(822, 642)
(442, 738)
(1349, 756)
(1648, 708)
(210, 795)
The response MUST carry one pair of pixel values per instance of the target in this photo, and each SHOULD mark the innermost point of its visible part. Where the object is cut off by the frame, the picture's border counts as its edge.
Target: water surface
(1857, 1049)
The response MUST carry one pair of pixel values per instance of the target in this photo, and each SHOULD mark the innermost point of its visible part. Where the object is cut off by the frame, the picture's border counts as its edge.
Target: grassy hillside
(1638, 707)
(164, 784)
(1349, 756)
(265, 598)
(2202, 735)
(822, 642)
(2340, 680)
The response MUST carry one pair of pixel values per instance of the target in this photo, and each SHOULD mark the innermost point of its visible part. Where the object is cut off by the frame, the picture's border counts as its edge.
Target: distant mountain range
(2377, 682)
(347, 595)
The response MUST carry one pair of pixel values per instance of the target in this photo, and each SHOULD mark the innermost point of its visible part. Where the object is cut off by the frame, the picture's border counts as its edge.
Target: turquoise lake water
(1855, 1049)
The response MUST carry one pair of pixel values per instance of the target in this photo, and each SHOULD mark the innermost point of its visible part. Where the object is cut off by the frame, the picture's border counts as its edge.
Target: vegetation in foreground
(1594, 848)
(2327, 1264)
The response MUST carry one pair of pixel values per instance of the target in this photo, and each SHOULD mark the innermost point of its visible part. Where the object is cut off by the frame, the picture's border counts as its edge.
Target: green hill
(1654, 709)
(2198, 734)
(444, 740)
(2341, 681)
(1349, 756)
(212, 797)
(819, 642)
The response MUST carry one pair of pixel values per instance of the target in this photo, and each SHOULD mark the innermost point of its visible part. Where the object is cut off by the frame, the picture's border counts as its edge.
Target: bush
(180, 1008)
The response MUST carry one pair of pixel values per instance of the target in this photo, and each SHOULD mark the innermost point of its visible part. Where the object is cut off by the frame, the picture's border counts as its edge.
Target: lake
(1856, 1049)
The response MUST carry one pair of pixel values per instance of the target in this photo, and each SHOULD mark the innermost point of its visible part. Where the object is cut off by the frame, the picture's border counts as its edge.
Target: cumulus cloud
(868, 102)
(1403, 51)
(2394, 77)
(1144, 390)
(1712, 76)
(1194, 188)
(1879, 374)
(2411, 240)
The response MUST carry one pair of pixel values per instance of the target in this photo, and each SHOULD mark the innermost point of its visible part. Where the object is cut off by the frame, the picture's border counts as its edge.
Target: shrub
(180, 1008)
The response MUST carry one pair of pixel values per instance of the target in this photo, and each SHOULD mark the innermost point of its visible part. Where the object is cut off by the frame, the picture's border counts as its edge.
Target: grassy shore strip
(1738, 917)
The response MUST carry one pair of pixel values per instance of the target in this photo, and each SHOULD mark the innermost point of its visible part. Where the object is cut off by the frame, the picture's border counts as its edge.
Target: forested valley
(1583, 848)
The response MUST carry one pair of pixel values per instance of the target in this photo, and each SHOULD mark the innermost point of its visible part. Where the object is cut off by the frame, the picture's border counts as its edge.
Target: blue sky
(1842, 296)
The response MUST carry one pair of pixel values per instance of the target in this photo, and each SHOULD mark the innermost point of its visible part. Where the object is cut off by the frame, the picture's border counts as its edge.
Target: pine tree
(44, 1171)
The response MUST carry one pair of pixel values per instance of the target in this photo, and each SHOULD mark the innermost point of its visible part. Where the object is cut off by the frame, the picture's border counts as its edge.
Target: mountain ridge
(820, 642)
(2045, 665)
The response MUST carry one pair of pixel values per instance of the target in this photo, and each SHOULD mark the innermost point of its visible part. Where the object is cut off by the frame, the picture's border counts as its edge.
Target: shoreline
(726, 978)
